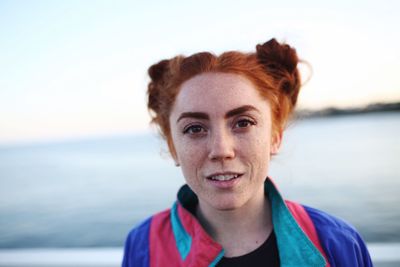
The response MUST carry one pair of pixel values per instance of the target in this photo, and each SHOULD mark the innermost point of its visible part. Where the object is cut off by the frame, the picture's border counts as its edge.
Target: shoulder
(341, 242)
(141, 231)
(328, 222)
(137, 244)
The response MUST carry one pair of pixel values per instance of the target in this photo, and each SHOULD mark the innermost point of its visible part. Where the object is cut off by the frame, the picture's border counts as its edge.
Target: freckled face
(221, 131)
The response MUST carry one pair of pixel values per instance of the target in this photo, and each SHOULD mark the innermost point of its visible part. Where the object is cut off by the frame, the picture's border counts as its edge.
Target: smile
(223, 177)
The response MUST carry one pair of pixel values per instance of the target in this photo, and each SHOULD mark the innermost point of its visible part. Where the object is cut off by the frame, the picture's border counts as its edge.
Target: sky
(73, 69)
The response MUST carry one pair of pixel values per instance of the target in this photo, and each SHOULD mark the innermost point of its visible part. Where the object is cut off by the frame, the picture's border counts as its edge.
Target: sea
(88, 193)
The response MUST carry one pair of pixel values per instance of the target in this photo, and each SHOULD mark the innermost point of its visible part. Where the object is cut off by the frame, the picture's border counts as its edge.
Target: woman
(223, 118)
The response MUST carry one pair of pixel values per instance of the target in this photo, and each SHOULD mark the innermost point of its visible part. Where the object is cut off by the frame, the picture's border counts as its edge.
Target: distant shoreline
(299, 115)
(333, 111)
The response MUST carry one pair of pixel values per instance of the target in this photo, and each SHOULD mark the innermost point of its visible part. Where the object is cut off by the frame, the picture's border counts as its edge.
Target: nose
(221, 145)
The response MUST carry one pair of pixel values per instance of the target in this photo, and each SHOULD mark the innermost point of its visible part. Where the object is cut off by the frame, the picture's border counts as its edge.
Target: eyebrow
(229, 114)
(194, 115)
(240, 110)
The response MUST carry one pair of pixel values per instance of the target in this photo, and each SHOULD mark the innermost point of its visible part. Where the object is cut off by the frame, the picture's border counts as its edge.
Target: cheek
(259, 152)
(191, 160)
(187, 151)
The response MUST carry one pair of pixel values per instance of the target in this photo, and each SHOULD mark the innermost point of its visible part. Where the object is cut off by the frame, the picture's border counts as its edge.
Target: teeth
(224, 177)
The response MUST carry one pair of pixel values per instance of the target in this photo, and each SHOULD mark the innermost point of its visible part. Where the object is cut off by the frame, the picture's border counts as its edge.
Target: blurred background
(80, 165)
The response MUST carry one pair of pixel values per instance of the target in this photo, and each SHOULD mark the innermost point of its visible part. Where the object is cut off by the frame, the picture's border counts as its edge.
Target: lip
(224, 184)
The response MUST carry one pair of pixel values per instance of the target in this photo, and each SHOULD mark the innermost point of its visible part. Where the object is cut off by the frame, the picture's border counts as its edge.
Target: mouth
(224, 176)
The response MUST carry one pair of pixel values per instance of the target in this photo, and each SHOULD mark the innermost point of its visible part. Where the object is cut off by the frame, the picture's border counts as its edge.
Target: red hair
(272, 69)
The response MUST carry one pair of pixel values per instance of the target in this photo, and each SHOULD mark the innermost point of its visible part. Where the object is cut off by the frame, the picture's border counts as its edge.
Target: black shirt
(266, 255)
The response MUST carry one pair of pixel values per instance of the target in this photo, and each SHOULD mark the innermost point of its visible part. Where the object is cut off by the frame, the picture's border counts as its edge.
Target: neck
(240, 230)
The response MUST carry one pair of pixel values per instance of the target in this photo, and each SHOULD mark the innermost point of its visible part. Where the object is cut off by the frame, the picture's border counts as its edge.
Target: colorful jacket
(305, 237)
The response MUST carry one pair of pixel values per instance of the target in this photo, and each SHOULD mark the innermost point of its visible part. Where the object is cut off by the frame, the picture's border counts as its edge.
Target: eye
(194, 129)
(244, 123)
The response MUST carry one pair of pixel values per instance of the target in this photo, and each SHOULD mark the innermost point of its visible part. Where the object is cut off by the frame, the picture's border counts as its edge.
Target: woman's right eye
(194, 129)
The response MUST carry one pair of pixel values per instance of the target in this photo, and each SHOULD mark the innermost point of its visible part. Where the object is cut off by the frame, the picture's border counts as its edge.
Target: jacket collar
(295, 248)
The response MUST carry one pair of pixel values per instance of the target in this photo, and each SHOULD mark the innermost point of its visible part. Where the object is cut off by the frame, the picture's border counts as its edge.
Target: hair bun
(157, 74)
(157, 71)
(280, 61)
(275, 55)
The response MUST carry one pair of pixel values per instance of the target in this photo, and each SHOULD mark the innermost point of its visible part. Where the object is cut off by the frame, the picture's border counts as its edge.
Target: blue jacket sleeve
(136, 251)
(343, 245)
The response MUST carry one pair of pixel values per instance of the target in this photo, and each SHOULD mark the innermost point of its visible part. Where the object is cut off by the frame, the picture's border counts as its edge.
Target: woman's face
(221, 131)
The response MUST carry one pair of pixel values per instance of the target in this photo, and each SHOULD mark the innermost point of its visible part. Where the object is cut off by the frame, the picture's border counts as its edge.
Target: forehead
(221, 91)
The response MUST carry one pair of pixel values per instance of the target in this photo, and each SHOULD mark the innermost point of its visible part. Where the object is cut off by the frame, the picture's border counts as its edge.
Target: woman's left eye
(244, 123)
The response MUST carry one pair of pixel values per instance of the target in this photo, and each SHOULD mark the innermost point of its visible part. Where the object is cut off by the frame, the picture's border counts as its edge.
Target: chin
(226, 204)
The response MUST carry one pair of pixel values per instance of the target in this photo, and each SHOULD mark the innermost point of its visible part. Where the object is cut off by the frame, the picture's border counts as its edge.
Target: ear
(172, 151)
(276, 142)
(177, 164)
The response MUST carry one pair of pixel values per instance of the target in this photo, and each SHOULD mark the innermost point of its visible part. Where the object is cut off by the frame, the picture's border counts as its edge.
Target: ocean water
(90, 193)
